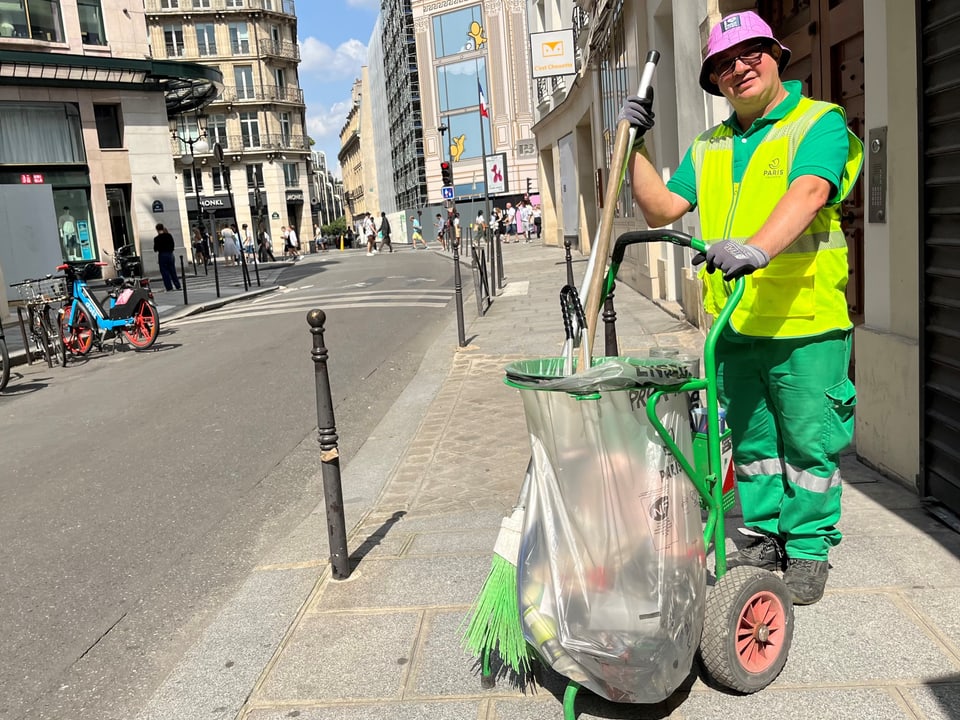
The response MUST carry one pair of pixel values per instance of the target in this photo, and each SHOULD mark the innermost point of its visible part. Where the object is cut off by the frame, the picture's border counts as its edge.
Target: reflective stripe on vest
(802, 291)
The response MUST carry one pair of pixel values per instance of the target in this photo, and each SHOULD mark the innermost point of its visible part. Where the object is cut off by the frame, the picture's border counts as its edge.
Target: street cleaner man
(768, 182)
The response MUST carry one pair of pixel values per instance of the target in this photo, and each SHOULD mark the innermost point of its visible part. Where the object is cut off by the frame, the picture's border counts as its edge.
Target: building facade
(261, 178)
(85, 167)
(465, 48)
(404, 112)
(326, 191)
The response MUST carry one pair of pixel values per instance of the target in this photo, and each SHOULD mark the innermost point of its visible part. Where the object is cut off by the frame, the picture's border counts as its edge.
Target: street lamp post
(196, 145)
(225, 176)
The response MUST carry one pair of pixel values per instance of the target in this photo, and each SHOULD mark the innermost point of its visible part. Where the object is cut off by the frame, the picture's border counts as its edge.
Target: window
(169, 4)
(255, 175)
(286, 129)
(193, 180)
(201, 4)
(280, 78)
(77, 236)
(614, 84)
(291, 175)
(109, 127)
(173, 39)
(234, 3)
(457, 84)
(91, 23)
(217, 130)
(218, 183)
(459, 31)
(36, 133)
(34, 19)
(207, 39)
(250, 130)
(243, 77)
(239, 39)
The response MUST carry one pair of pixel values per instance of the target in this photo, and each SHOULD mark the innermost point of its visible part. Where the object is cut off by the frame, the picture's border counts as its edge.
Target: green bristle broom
(495, 621)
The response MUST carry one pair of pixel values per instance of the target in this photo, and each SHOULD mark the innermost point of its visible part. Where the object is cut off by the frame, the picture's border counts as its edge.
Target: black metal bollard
(216, 275)
(569, 259)
(329, 453)
(256, 268)
(183, 278)
(498, 240)
(458, 290)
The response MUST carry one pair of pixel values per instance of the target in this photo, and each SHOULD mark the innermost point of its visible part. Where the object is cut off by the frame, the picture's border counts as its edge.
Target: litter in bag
(611, 576)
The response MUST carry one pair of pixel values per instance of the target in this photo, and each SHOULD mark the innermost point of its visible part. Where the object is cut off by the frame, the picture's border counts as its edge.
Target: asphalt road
(137, 490)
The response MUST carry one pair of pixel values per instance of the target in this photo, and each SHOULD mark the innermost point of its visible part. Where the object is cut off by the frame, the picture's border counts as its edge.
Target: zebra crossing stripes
(298, 302)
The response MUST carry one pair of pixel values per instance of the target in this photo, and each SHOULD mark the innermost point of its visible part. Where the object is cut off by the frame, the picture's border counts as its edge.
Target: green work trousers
(790, 409)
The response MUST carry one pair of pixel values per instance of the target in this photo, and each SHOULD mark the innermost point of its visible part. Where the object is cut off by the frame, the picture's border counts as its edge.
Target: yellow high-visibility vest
(802, 291)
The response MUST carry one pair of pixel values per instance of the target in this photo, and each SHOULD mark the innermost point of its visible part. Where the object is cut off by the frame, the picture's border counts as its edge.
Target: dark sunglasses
(751, 56)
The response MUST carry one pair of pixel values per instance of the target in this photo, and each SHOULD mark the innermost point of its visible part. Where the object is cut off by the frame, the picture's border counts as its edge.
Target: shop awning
(186, 86)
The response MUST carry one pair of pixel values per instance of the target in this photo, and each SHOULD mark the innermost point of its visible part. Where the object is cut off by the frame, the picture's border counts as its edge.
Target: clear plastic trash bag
(611, 574)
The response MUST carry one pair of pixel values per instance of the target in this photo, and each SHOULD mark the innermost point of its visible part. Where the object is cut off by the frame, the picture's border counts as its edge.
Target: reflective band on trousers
(800, 478)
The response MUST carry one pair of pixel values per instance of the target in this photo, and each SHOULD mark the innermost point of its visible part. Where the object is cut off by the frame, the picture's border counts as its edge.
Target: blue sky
(333, 47)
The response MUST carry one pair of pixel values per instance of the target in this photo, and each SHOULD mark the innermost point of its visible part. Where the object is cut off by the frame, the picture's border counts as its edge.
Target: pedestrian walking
(201, 246)
(511, 212)
(266, 246)
(417, 232)
(369, 232)
(538, 220)
(768, 182)
(248, 247)
(384, 232)
(230, 245)
(441, 232)
(164, 246)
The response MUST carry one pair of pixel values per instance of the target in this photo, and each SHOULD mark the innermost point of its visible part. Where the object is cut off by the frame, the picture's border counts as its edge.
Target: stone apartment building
(259, 120)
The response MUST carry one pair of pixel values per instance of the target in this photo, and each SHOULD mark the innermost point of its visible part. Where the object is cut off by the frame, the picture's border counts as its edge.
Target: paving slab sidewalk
(883, 643)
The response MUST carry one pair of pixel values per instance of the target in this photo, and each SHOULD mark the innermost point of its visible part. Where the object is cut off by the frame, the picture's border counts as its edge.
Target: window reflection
(459, 31)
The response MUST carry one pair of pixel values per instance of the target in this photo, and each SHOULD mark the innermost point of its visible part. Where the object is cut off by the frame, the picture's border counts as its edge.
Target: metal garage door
(939, 81)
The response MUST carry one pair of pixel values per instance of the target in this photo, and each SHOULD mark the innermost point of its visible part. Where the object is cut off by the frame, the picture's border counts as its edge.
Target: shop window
(73, 222)
(109, 126)
(91, 22)
(34, 133)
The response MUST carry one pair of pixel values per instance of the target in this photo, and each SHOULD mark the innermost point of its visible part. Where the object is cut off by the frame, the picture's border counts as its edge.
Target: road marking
(240, 314)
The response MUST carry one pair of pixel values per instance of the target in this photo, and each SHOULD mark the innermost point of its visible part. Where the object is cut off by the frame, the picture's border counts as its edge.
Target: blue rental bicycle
(86, 321)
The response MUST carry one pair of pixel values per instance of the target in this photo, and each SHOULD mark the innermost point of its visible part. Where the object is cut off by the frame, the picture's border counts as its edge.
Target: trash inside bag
(611, 573)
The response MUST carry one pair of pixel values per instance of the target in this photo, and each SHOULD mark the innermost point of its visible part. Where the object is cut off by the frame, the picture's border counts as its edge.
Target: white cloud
(323, 62)
(328, 121)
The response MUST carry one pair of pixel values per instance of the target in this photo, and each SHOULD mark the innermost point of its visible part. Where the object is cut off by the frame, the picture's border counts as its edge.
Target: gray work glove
(639, 111)
(733, 259)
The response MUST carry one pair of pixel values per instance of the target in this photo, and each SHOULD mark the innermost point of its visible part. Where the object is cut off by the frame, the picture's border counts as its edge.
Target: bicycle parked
(4, 359)
(40, 297)
(129, 312)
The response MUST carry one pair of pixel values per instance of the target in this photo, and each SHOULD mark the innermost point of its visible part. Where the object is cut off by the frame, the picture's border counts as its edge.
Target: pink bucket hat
(731, 30)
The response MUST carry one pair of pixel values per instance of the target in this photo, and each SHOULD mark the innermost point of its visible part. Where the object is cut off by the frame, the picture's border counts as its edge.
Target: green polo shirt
(823, 151)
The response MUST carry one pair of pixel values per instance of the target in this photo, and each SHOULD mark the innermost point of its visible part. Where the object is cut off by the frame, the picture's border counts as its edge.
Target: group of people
(372, 233)
(523, 221)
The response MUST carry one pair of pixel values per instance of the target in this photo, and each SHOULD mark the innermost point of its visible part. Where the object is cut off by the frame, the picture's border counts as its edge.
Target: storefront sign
(157, 206)
(553, 53)
(209, 204)
(31, 178)
(295, 196)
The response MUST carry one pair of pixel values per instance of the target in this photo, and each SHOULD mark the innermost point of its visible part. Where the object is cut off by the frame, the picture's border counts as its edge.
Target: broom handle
(597, 265)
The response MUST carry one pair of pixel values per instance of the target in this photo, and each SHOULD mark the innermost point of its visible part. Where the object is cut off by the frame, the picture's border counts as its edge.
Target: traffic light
(446, 174)
(528, 186)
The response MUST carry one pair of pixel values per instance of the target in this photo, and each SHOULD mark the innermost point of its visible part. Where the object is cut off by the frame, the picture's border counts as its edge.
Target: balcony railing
(266, 141)
(284, 7)
(267, 93)
(281, 48)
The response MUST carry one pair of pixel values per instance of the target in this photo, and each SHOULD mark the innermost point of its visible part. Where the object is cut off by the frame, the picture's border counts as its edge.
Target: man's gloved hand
(639, 111)
(733, 259)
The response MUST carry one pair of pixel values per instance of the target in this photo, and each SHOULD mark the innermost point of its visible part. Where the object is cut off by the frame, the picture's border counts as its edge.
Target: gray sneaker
(806, 579)
(764, 551)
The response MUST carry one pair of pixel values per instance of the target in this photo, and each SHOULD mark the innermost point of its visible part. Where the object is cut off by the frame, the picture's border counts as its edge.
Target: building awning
(186, 86)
